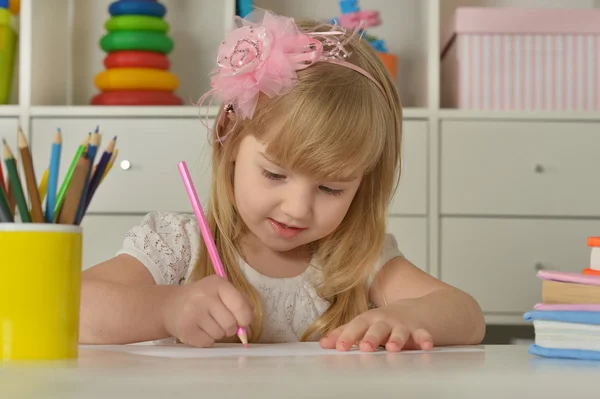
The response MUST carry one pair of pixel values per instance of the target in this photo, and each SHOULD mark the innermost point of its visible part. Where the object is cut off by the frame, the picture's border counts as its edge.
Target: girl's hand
(381, 326)
(205, 311)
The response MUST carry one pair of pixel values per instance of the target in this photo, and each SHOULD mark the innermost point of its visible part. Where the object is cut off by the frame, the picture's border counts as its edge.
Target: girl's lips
(284, 230)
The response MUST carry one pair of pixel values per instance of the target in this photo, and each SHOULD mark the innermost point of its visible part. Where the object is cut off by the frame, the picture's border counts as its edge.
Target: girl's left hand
(379, 327)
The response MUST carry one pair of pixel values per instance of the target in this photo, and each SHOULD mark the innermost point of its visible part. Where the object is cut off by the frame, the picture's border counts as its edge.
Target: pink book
(567, 277)
(583, 307)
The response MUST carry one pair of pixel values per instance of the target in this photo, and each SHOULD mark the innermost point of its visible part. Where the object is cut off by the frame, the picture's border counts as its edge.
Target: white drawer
(411, 234)
(8, 131)
(520, 168)
(496, 260)
(153, 147)
(103, 236)
(411, 196)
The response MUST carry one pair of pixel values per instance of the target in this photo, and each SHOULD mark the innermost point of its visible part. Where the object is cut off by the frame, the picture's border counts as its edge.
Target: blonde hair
(336, 122)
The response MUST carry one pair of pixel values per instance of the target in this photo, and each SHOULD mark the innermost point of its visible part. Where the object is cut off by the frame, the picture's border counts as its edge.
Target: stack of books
(567, 321)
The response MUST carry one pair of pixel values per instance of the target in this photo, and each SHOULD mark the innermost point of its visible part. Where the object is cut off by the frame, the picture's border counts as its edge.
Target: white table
(495, 372)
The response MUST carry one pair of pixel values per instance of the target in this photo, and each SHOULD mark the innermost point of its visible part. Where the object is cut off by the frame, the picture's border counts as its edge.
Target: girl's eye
(331, 191)
(271, 175)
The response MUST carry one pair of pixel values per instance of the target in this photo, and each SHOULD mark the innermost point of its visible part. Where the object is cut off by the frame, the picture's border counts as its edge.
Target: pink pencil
(206, 234)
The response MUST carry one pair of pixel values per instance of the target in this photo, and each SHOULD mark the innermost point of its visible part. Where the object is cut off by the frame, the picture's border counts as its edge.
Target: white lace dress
(168, 244)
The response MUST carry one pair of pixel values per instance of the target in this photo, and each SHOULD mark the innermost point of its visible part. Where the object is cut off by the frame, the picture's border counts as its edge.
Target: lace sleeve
(389, 250)
(166, 243)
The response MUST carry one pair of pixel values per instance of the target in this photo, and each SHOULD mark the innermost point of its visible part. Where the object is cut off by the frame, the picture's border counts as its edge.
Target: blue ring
(137, 7)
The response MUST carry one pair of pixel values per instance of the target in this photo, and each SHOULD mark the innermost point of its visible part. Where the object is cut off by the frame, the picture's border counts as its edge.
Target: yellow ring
(136, 78)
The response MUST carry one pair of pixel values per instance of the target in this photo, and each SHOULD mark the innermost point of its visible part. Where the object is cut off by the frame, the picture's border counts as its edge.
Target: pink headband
(263, 53)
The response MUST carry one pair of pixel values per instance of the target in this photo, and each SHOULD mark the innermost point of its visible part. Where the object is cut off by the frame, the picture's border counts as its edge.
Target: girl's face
(284, 209)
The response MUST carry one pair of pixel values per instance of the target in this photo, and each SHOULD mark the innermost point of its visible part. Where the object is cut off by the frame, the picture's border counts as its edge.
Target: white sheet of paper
(268, 350)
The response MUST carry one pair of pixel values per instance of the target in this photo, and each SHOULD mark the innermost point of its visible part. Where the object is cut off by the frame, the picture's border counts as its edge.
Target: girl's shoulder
(166, 243)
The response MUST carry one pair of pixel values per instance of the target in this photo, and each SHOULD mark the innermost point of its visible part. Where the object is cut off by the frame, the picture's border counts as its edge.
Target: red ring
(136, 59)
(136, 97)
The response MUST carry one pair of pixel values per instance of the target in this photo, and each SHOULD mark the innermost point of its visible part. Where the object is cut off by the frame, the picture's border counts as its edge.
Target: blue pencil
(53, 177)
(91, 151)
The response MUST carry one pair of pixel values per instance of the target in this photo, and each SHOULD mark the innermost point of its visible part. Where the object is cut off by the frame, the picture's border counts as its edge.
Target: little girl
(306, 157)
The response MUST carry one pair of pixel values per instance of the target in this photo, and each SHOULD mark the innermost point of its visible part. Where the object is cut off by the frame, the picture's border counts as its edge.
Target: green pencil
(5, 214)
(60, 198)
(15, 183)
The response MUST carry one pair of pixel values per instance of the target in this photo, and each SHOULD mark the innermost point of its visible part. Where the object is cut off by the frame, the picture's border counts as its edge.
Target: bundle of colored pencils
(64, 205)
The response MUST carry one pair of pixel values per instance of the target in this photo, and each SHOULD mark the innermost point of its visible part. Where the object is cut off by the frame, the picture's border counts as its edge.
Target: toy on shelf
(8, 46)
(243, 7)
(352, 16)
(594, 266)
(137, 66)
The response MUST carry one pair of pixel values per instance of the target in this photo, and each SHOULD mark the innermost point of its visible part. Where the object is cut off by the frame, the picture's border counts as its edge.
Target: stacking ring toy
(136, 97)
(136, 59)
(136, 40)
(136, 79)
(136, 22)
(132, 7)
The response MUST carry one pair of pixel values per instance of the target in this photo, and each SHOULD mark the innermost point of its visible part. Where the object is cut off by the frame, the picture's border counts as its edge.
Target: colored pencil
(37, 215)
(53, 176)
(5, 214)
(2, 185)
(10, 195)
(68, 213)
(91, 151)
(99, 171)
(111, 162)
(43, 187)
(65, 185)
(206, 234)
(15, 183)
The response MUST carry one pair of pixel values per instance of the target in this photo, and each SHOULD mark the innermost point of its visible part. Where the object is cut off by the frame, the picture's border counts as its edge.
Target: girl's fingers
(398, 338)
(376, 335)
(329, 340)
(422, 339)
(353, 332)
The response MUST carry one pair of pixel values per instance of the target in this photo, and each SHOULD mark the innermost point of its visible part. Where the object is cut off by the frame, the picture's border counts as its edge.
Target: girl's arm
(120, 303)
(451, 316)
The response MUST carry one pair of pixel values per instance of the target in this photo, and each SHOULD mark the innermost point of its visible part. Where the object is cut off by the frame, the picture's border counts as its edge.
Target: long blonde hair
(335, 122)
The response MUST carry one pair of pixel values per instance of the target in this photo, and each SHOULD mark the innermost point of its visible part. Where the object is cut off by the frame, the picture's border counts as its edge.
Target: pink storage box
(523, 60)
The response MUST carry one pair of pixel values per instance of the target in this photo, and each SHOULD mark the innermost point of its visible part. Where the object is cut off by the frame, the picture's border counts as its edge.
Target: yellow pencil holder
(40, 281)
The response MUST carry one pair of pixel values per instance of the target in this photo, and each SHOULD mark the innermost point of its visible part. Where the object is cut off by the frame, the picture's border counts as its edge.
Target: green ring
(136, 40)
(136, 22)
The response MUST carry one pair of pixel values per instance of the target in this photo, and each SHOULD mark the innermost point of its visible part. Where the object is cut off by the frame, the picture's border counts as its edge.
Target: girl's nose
(297, 204)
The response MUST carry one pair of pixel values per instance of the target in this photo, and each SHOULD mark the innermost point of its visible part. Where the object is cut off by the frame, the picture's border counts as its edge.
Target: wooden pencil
(69, 210)
(99, 171)
(43, 187)
(111, 162)
(37, 215)
(2, 185)
(91, 152)
(10, 195)
(5, 214)
(65, 185)
(15, 183)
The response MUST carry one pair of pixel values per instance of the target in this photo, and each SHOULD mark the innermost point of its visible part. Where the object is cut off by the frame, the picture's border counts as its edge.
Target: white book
(562, 335)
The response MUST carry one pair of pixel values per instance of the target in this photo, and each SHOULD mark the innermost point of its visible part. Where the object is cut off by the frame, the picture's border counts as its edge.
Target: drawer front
(103, 236)
(520, 168)
(411, 196)
(152, 148)
(411, 235)
(8, 131)
(496, 260)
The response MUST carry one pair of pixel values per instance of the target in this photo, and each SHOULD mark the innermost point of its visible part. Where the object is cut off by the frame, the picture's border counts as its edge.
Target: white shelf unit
(484, 248)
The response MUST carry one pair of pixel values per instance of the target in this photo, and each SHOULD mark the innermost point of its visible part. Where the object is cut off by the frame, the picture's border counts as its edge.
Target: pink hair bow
(352, 20)
(263, 53)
